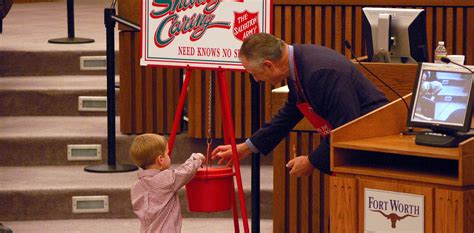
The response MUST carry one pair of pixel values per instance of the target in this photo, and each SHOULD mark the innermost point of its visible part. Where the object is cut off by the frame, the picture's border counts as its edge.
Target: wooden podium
(370, 152)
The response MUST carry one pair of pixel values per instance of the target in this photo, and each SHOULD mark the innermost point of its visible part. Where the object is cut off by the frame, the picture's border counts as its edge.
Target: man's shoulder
(311, 48)
(314, 58)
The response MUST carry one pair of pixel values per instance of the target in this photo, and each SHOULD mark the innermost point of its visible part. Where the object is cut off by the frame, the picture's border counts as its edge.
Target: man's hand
(300, 166)
(224, 153)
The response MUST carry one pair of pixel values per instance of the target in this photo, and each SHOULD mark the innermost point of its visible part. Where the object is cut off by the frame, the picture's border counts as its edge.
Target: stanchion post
(70, 18)
(70, 39)
(111, 165)
(255, 185)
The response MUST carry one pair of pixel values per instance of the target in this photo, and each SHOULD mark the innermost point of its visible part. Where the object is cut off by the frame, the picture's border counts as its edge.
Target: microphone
(349, 47)
(447, 61)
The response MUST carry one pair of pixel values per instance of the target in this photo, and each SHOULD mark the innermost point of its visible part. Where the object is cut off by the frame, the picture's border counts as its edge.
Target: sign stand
(228, 137)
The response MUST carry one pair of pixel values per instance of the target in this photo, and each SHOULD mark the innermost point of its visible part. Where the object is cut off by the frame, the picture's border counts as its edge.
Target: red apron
(320, 124)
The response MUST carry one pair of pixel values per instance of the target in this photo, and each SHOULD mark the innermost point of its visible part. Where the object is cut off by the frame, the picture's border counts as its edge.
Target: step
(33, 141)
(42, 141)
(51, 95)
(28, 27)
(194, 225)
(41, 63)
(45, 192)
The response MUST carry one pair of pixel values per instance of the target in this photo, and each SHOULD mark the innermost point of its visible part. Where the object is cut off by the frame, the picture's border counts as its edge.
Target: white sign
(386, 211)
(200, 33)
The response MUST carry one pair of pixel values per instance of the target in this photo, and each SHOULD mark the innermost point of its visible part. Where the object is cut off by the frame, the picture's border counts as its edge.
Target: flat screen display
(442, 96)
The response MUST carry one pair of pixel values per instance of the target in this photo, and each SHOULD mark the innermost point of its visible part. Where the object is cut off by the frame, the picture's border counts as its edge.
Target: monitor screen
(395, 35)
(442, 98)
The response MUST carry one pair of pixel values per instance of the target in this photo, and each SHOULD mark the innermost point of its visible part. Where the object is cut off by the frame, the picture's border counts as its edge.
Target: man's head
(265, 57)
(150, 150)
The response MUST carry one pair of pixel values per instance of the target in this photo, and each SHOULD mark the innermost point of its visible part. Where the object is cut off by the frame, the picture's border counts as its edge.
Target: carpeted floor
(29, 26)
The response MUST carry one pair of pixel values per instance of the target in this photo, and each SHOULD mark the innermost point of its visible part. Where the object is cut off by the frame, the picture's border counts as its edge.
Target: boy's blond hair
(146, 147)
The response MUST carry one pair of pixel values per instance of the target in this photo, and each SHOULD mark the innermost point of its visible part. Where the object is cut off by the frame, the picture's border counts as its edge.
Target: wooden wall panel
(317, 29)
(248, 104)
(344, 199)
(149, 99)
(302, 203)
(308, 23)
(238, 110)
(148, 94)
(125, 93)
(293, 194)
(304, 199)
(359, 42)
(280, 185)
(324, 22)
(348, 22)
(449, 32)
(160, 105)
(469, 211)
(469, 36)
(333, 23)
(328, 27)
(449, 211)
(195, 122)
(430, 28)
(459, 29)
(138, 86)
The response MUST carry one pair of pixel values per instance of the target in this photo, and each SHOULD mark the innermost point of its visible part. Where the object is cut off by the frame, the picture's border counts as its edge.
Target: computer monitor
(442, 101)
(394, 35)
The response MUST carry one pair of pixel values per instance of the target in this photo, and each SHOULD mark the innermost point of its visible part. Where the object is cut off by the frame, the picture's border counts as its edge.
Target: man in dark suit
(321, 81)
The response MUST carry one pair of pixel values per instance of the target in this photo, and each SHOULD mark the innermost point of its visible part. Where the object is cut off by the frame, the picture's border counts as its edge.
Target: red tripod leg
(234, 210)
(230, 126)
(179, 110)
(222, 101)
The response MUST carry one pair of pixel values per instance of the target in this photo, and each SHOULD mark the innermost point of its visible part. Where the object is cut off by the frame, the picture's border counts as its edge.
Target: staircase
(46, 141)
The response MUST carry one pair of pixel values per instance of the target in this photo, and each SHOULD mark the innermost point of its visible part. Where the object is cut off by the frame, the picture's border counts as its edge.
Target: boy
(155, 194)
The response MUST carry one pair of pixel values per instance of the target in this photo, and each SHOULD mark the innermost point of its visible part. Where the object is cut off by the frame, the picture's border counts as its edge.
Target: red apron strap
(320, 124)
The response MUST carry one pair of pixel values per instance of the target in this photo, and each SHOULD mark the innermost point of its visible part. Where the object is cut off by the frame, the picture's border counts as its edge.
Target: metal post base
(105, 168)
(70, 40)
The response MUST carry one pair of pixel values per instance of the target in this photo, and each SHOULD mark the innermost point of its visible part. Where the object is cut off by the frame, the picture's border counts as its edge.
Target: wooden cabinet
(370, 152)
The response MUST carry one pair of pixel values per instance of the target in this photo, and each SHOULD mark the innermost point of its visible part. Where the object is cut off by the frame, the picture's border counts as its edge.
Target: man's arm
(268, 137)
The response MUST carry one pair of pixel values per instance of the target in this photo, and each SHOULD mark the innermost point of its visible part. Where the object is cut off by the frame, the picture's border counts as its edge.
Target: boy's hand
(198, 156)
